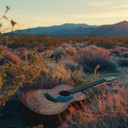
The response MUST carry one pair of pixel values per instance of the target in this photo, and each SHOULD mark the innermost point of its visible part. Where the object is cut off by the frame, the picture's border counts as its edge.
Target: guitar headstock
(111, 79)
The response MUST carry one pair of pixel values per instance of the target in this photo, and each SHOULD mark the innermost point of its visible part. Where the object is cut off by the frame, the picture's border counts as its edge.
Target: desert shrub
(15, 76)
(2, 51)
(124, 54)
(41, 48)
(64, 50)
(106, 45)
(9, 56)
(91, 56)
(123, 62)
(70, 50)
(15, 45)
(57, 54)
(26, 55)
(118, 50)
(105, 65)
(21, 51)
(69, 64)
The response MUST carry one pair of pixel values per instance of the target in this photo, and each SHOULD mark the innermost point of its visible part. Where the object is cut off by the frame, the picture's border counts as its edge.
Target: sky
(34, 13)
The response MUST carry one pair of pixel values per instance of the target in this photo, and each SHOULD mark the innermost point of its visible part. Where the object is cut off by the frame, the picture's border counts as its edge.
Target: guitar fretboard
(81, 88)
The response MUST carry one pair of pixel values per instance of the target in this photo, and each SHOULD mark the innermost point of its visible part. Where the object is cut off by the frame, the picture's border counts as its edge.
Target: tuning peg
(111, 78)
(111, 83)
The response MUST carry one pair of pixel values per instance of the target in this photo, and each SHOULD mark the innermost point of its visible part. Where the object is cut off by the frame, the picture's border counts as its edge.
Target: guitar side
(37, 102)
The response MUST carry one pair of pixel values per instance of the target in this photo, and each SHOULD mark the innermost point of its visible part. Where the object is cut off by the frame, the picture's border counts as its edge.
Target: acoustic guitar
(51, 102)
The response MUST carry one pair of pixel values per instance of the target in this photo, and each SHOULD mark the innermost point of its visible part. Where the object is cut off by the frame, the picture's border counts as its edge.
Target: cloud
(37, 17)
(97, 3)
(120, 7)
(100, 17)
(107, 4)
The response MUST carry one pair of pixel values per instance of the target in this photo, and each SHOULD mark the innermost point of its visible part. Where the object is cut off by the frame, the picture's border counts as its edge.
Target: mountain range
(118, 29)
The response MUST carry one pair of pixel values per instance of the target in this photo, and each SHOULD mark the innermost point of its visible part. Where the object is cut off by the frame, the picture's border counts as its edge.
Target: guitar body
(38, 107)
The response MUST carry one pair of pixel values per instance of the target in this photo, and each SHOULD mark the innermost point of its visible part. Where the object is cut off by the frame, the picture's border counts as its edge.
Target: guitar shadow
(53, 121)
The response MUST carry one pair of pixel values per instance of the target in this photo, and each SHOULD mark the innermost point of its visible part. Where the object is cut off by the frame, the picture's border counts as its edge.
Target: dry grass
(108, 110)
(54, 76)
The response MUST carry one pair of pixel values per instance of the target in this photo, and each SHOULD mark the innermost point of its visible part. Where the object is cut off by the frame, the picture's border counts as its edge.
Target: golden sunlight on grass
(110, 109)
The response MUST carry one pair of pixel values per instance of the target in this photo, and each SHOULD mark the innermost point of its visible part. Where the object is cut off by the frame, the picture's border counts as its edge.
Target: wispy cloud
(101, 11)
(107, 5)
(120, 7)
(37, 17)
(93, 15)
(98, 3)
(101, 17)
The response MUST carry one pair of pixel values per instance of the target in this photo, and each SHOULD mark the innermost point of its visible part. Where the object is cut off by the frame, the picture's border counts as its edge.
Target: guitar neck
(81, 88)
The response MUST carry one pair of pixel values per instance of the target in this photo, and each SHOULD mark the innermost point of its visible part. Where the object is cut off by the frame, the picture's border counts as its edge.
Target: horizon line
(20, 29)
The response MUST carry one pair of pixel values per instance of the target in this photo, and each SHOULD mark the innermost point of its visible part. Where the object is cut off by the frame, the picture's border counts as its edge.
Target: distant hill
(118, 29)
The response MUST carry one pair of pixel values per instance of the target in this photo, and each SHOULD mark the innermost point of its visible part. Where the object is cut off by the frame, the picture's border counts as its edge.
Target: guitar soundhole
(64, 93)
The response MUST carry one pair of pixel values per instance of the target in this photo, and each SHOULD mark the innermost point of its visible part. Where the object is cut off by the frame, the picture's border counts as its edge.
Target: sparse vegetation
(24, 66)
